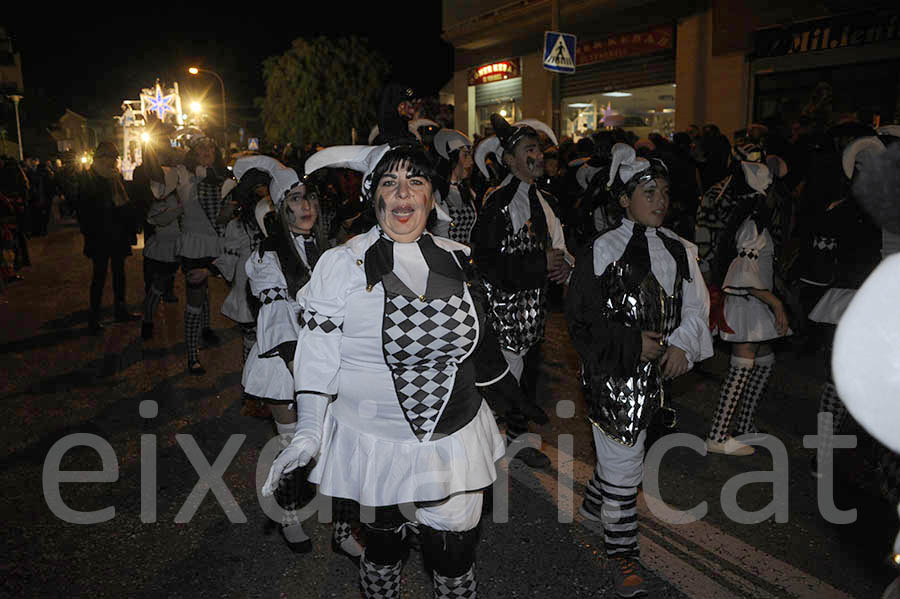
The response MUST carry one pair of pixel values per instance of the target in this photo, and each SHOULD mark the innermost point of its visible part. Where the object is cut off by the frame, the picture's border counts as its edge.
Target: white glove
(305, 444)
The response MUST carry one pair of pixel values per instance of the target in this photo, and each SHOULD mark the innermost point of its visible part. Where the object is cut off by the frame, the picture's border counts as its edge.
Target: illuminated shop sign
(626, 45)
(827, 34)
(495, 71)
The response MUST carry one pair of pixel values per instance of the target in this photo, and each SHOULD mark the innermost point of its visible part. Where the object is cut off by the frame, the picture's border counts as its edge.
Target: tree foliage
(321, 88)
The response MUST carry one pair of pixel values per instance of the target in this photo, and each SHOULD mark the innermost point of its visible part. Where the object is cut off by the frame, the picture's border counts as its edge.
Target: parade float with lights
(165, 104)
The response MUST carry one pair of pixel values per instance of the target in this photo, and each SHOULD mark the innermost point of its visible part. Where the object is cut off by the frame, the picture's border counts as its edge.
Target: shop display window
(641, 110)
(826, 95)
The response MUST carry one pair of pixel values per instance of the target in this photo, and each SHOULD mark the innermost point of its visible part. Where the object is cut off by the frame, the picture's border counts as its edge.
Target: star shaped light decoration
(159, 103)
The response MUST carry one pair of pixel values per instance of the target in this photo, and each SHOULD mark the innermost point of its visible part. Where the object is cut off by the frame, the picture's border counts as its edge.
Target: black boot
(210, 338)
(94, 326)
(123, 315)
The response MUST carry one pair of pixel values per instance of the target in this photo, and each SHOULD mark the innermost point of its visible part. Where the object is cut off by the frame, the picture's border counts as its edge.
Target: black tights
(98, 281)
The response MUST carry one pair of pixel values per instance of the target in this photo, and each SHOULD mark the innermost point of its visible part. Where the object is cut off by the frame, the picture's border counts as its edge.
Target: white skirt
(751, 320)
(372, 471)
(831, 306)
(267, 378)
(161, 248)
(198, 245)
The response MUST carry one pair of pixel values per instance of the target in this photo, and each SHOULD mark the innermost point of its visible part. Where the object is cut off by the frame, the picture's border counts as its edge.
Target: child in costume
(638, 314)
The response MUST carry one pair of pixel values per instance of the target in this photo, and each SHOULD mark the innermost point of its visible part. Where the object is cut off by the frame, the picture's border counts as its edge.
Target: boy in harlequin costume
(519, 247)
(638, 314)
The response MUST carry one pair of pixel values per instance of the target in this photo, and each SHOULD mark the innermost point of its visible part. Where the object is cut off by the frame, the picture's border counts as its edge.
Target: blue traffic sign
(559, 52)
(253, 144)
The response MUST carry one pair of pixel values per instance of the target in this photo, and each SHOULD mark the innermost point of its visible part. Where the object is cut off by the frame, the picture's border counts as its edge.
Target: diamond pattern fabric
(423, 342)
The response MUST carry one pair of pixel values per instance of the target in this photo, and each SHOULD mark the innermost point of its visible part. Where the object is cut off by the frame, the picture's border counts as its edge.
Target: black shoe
(534, 413)
(532, 457)
(123, 315)
(300, 547)
(170, 298)
(210, 338)
(95, 328)
(196, 368)
(814, 469)
(146, 330)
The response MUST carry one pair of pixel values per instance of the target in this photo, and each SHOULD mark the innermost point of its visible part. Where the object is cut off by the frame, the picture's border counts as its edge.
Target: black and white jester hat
(858, 152)
(506, 137)
(358, 158)
(628, 170)
(283, 180)
(449, 140)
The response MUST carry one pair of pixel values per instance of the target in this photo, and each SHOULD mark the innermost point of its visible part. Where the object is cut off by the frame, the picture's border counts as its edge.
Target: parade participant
(455, 202)
(161, 235)
(519, 247)
(393, 330)
(108, 221)
(396, 108)
(752, 315)
(598, 211)
(198, 183)
(243, 235)
(276, 272)
(425, 130)
(844, 250)
(638, 315)
(866, 352)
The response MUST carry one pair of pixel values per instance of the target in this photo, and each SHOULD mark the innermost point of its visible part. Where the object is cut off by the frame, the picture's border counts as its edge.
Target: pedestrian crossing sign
(559, 52)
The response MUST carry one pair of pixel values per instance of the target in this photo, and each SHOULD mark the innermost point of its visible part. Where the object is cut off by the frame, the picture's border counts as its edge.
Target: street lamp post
(15, 98)
(197, 70)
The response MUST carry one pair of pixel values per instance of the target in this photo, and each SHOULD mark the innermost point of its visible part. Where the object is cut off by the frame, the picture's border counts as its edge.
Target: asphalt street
(60, 385)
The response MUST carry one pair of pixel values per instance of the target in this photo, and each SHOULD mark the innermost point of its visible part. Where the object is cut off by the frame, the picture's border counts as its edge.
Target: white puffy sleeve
(557, 237)
(171, 180)
(442, 227)
(744, 272)
(693, 335)
(277, 320)
(322, 301)
(228, 260)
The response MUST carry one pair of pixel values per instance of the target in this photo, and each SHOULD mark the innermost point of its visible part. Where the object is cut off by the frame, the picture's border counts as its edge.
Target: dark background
(90, 63)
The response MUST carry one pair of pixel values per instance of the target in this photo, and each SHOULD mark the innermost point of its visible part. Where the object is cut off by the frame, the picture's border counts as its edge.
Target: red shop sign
(495, 71)
(626, 45)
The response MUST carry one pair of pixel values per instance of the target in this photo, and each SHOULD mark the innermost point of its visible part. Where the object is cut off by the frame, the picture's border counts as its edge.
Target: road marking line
(698, 558)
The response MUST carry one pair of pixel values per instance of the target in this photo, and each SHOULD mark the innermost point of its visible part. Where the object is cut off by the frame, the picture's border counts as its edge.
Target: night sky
(91, 65)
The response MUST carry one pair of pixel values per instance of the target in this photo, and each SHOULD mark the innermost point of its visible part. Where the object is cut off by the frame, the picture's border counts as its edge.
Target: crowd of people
(33, 192)
(392, 299)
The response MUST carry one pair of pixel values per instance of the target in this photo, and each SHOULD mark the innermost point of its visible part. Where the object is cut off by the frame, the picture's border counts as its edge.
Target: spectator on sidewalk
(109, 224)
(14, 185)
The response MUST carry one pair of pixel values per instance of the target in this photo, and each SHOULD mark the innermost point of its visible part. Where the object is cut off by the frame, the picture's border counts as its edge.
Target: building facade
(662, 66)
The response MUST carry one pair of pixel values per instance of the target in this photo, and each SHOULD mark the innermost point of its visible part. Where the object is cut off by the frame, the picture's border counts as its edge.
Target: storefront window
(827, 95)
(509, 110)
(641, 110)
